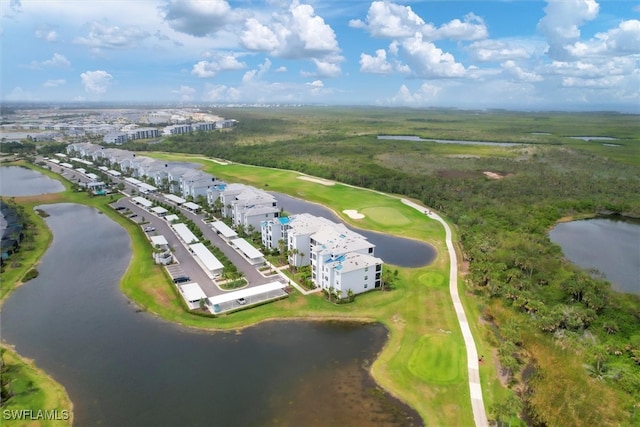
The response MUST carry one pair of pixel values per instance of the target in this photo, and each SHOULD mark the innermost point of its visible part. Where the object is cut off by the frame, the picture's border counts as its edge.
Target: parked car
(149, 229)
(241, 301)
(181, 279)
(133, 215)
(119, 208)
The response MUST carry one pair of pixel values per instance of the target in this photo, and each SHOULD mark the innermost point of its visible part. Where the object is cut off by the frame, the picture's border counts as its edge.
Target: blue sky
(526, 55)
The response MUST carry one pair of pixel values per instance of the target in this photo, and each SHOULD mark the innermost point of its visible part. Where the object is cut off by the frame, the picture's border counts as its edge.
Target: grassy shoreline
(418, 313)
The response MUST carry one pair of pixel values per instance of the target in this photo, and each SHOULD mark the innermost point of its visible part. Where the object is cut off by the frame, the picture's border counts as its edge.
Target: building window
(370, 250)
(366, 277)
(366, 269)
(378, 267)
(365, 286)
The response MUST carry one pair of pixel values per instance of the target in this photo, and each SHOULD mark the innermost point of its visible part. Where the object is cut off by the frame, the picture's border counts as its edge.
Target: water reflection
(19, 181)
(582, 242)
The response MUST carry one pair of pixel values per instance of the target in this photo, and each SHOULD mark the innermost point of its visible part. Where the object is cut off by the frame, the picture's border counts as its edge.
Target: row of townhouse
(179, 180)
(341, 260)
(134, 133)
(246, 206)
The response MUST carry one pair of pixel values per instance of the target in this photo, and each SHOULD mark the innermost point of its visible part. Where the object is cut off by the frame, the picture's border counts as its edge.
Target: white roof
(146, 186)
(133, 181)
(208, 259)
(171, 218)
(245, 293)
(247, 249)
(159, 240)
(185, 234)
(224, 229)
(192, 206)
(92, 176)
(159, 210)
(114, 173)
(174, 198)
(142, 201)
(192, 292)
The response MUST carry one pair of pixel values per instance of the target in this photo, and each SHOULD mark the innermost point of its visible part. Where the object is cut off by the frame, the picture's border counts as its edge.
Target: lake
(393, 250)
(445, 141)
(612, 246)
(19, 181)
(122, 367)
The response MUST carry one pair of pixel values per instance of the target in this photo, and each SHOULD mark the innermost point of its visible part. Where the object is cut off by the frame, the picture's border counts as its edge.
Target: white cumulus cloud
(104, 36)
(54, 83)
(57, 61)
(199, 18)
(562, 21)
(390, 20)
(96, 81)
(426, 60)
(207, 69)
(377, 64)
(516, 72)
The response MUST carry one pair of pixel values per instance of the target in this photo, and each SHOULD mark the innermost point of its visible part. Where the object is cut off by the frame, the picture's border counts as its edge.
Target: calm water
(126, 368)
(18, 181)
(393, 250)
(608, 245)
(445, 141)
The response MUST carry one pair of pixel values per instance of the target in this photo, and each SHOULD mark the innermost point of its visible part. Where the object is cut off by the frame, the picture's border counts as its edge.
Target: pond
(594, 138)
(612, 246)
(19, 181)
(446, 141)
(123, 367)
(393, 250)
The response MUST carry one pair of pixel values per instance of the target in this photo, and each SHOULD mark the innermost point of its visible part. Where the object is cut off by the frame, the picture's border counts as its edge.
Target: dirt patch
(456, 173)
(502, 376)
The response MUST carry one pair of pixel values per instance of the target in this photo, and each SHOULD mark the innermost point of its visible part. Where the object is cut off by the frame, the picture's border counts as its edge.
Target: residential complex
(341, 260)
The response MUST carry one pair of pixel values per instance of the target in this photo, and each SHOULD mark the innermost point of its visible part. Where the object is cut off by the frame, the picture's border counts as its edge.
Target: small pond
(446, 141)
(19, 181)
(612, 246)
(594, 138)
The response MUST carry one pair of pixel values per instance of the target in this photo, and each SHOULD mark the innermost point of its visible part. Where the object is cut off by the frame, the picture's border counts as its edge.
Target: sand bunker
(317, 180)
(353, 214)
(493, 175)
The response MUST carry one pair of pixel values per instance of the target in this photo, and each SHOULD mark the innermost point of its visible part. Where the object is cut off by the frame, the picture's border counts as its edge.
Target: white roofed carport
(175, 199)
(185, 234)
(252, 254)
(159, 210)
(159, 240)
(257, 294)
(142, 201)
(192, 206)
(192, 294)
(213, 266)
(224, 230)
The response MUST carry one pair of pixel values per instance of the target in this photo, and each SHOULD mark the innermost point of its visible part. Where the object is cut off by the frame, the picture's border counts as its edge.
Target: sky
(512, 54)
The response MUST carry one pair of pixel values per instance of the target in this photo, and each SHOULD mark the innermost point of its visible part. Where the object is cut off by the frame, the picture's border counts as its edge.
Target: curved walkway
(477, 403)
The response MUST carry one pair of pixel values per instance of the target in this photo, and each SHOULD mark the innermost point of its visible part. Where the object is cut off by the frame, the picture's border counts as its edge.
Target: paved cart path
(475, 389)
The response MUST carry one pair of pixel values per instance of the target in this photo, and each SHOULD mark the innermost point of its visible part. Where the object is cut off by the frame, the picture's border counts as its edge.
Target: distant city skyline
(523, 55)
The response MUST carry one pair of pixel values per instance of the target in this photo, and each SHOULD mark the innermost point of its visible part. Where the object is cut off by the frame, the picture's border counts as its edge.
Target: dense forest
(554, 324)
